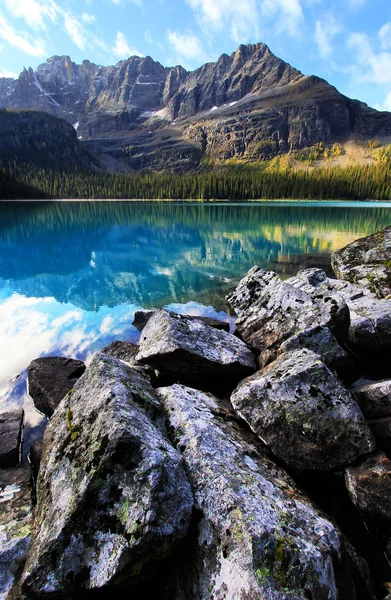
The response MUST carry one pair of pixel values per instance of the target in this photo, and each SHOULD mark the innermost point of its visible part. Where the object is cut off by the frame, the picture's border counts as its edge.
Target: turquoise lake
(73, 273)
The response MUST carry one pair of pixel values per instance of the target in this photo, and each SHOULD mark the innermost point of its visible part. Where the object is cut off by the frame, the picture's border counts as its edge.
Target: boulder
(381, 430)
(188, 350)
(15, 525)
(112, 496)
(369, 487)
(50, 378)
(303, 413)
(141, 318)
(257, 536)
(270, 311)
(366, 262)
(370, 327)
(11, 438)
(321, 341)
(373, 397)
(127, 352)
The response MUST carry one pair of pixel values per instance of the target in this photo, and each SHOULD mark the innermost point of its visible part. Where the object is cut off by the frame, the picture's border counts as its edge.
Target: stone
(141, 318)
(127, 352)
(373, 397)
(113, 498)
(367, 262)
(381, 429)
(188, 350)
(15, 525)
(370, 327)
(50, 378)
(369, 487)
(270, 311)
(257, 535)
(11, 438)
(303, 413)
(321, 341)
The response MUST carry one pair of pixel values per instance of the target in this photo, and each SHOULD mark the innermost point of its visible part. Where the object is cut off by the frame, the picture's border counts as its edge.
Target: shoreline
(280, 201)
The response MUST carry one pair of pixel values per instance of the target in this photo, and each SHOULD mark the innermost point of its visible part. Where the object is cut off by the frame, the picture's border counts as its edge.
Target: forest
(369, 182)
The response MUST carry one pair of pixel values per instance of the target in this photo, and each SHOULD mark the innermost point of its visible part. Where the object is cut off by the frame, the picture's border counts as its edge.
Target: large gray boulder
(370, 327)
(270, 311)
(188, 350)
(50, 378)
(11, 438)
(373, 397)
(127, 352)
(257, 536)
(303, 413)
(112, 495)
(141, 318)
(367, 262)
(15, 526)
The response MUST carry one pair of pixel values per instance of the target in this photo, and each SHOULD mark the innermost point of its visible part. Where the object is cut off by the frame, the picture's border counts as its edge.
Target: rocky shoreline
(204, 464)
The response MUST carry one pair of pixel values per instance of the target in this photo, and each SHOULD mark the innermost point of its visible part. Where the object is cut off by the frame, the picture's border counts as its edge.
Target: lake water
(72, 274)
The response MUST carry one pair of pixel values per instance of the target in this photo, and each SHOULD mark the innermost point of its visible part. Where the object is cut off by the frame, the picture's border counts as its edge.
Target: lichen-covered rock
(270, 310)
(321, 341)
(257, 536)
(369, 486)
(367, 262)
(187, 349)
(50, 378)
(15, 525)
(373, 397)
(11, 438)
(141, 318)
(127, 352)
(112, 496)
(303, 413)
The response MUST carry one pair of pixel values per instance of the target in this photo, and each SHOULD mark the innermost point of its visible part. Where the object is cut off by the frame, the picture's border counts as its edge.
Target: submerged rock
(15, 525)
(270, 311)
(187, 350)
(11, 438)
(257, 536)
(369, 486)
(112, 496)
(303, 413)
(367, 262)
(141, 318)
(50, 378)
(373, 397)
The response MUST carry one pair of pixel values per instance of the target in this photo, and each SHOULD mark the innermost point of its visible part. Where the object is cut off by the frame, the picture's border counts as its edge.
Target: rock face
(367, 262)
(141, 318)
(373, 397)
(369, 486)
(50, 378)
(127, 352)
(248, 105)
(257, 536)
(186, 349)
(15, 525)
(105, 448)
(370, 327)
(11, 438)
(303, 413)
(270, 311)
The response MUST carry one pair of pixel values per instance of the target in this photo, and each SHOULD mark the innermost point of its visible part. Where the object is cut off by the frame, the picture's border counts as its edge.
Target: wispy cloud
(239, 18)
(384, 35)
(325, 31)
(5, 73)
(75, 31)
(150, 40)
(187, 46)
(370, 67)
(356, 4)
(88, 18)
(288, 15)
(22, 41)
(34, 13)
(121, 47)
(386, 104)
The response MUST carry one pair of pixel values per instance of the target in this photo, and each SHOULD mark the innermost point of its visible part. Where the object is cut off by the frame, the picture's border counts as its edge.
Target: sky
(347, 42)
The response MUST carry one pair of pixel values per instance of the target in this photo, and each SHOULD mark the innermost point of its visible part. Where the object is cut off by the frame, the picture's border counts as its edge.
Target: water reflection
(72, 274)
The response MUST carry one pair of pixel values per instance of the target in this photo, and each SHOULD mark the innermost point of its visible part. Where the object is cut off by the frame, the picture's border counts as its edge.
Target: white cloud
(325, 31)
(5, 73)
(75, 31)
(150, 40)
(356, 4)
(34, 13)
(136, 2)
(370, 66)
(288, 13)
(187, 46)
(386, 104)
(121, 47)
(240, 18)
(22, 41)
(384, 34)
(87, 18)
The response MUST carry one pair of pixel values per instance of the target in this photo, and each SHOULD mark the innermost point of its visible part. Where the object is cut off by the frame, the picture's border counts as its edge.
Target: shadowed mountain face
(140, 114)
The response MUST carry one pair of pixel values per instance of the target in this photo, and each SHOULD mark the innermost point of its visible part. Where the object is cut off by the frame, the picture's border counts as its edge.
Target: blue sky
(348, 42)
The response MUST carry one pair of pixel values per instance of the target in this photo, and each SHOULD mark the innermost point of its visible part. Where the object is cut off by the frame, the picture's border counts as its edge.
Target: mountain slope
(138, 114)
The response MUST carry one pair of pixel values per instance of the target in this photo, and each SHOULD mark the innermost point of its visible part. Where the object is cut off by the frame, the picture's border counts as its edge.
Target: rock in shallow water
(11, 438)
(112, 494)
(188, 350)
(303, 413)
(50, 378)
(257, 536)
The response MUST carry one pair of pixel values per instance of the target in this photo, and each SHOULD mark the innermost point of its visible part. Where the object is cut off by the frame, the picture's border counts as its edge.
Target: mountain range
(138, 114)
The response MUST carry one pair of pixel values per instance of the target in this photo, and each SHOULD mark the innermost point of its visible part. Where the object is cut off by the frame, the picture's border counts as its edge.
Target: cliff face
(248, 105)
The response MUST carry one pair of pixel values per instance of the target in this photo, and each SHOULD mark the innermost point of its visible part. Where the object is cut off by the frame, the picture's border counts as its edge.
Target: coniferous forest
(26, 181)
